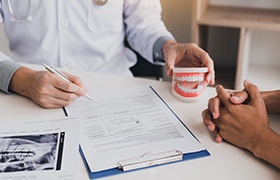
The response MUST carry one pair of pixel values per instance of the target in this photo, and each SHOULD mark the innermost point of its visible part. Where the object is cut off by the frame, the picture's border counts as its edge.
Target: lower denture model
(188, 83)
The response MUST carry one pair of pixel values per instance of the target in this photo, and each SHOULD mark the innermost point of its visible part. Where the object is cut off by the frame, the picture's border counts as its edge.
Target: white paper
(126, 125)
(40, 149)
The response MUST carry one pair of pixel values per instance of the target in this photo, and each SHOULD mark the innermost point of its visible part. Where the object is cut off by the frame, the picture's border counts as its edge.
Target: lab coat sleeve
(144, 26)
(7, 70)
(7, 66)
(2, 55)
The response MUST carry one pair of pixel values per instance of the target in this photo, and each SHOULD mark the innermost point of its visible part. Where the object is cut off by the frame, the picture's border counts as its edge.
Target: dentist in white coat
(85, 35)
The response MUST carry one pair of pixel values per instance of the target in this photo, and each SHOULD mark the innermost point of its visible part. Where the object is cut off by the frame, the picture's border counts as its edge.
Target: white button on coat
(64, 23)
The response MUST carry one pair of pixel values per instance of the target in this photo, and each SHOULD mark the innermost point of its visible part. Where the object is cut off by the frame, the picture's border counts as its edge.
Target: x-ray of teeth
(28, 153)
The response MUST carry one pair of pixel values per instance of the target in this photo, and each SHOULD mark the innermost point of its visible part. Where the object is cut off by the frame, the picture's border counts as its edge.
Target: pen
(61, 75)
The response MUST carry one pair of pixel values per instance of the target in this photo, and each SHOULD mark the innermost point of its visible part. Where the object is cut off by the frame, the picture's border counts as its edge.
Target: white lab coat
(80, 35)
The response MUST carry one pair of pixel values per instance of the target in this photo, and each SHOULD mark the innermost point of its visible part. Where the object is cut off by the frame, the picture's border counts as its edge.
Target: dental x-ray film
(39, 149)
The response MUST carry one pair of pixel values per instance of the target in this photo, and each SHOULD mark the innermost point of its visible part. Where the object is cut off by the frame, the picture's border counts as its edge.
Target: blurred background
(264, 48)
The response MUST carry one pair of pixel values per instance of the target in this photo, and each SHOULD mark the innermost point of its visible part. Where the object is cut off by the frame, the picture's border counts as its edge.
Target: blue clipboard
(118, 171)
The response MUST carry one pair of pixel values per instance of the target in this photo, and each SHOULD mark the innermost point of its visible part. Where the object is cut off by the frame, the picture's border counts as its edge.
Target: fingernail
(247, 81)
(216, 88)
(214, 115)
(219, 86)
(208, 78)
(209, 127)
(236, 98)
(219, 139)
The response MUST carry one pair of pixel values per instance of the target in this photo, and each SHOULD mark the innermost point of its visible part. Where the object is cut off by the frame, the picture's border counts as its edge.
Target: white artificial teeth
(190, 78)
(183, 89)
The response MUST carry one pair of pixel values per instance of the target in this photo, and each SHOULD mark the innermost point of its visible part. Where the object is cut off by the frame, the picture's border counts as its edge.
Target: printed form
(126, 125)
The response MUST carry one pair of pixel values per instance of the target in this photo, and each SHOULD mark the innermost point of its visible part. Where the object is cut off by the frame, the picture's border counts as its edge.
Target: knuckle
(44, 76)
(210, 100)
(77, 79)
(71, 97)
(205, 54)
(68, 87)
(193, 44)
(65, 103)
(43, 103)
(204, 113)
(79, 91)
(42, 90)
(213, 99)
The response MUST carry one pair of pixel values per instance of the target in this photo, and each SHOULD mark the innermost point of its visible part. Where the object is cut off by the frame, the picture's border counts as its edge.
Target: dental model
(187, 83)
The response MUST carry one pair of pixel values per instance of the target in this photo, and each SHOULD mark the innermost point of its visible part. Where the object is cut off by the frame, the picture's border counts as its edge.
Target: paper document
(39, 149)
(129, 124)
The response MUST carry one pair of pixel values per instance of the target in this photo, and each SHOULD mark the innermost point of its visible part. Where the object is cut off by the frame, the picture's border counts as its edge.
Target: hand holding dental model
(191, 67)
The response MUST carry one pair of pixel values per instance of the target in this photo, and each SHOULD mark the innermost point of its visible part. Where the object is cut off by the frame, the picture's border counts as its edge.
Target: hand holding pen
(62, 76)
(46, 89)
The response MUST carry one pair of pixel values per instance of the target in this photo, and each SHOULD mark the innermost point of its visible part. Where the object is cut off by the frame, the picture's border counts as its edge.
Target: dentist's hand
(187, 55)
(46, 89)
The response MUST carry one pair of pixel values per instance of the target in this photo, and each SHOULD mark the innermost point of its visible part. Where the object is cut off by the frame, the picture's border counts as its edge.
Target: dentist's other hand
(187, 55)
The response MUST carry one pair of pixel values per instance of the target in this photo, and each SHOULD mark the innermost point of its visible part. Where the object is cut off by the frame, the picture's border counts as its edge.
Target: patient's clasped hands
(241, 118)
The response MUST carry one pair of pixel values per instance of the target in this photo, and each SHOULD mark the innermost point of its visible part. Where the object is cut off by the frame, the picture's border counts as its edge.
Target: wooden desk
(226, 161)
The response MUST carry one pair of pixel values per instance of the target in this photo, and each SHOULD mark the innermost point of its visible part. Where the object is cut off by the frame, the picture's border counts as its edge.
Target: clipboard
(147, 159)
(139, 165)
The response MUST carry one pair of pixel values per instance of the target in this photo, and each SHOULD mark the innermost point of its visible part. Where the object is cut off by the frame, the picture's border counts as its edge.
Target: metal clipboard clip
(149, 159)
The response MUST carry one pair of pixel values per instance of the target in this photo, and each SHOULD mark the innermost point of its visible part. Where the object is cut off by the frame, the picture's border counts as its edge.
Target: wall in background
(177, 17)
(264, 44)
(270, 4)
